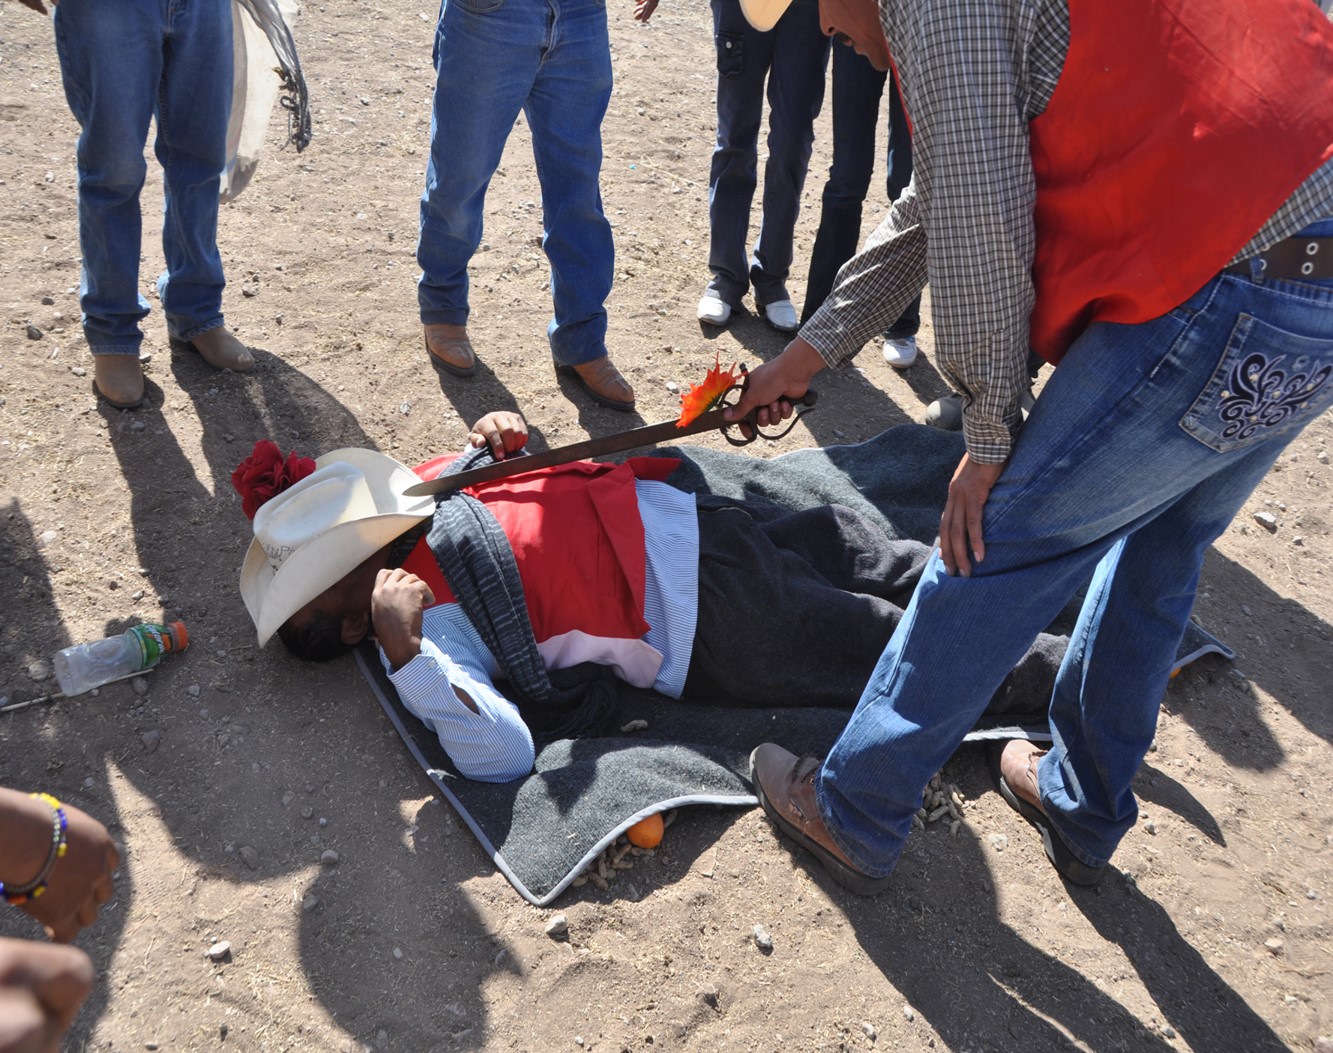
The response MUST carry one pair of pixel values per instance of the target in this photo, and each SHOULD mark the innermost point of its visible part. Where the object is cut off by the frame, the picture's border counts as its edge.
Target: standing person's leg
(1104, 456)
(795, 95)
(565, 110)
(194, 102)
(900, 338)
(486, 57)
(857, 88)
(1269, 382)
(743, 57)
(111, 65)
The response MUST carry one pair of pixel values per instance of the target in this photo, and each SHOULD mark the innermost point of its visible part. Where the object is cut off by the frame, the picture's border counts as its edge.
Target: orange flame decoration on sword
(702, 397)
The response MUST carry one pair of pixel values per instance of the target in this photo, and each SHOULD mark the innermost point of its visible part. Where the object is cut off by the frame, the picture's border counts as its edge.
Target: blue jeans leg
(111, 63)
(194, 103)
(122, 63)
(1144, 444)
(486, 60)
(795, 95)
(565, 110)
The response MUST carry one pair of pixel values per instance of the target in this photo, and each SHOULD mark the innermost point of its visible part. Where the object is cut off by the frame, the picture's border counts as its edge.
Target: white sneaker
(781, 315)
(946, 413)
(899, 352)
(714, 310)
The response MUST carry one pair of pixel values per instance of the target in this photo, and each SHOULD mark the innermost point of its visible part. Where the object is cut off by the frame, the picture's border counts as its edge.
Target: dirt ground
(229, 771)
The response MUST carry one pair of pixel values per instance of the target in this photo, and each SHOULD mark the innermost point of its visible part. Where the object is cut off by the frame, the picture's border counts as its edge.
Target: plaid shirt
(974, 75)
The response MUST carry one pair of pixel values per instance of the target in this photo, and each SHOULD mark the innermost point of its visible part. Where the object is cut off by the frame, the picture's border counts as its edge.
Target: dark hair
(318, 638)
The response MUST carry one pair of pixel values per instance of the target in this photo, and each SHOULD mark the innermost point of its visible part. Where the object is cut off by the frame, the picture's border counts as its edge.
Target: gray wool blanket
(541, 831)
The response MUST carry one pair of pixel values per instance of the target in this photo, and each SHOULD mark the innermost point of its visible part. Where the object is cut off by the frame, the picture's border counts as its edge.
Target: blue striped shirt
(493, 744)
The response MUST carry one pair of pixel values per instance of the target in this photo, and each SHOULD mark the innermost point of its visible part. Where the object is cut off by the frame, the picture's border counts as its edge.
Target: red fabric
(1176, 130)
(578, 541)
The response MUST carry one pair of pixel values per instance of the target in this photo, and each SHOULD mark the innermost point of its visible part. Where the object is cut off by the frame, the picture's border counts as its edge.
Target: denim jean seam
(832, 830)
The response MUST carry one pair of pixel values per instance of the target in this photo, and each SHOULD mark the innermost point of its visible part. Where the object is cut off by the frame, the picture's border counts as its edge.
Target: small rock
(998, 842)
(404, 408)
(47, 301)
(909, 1013)
(47, 536)
(762, 939)
(1298, 540)
(223, 1028)
(220, 951)
(1273, 945)
(323, 821)
(382, 1039)
(307, 812)
(192, 690)
(33, 332)
(557, 926)
(88, 784)
(137, 425)
(673, 387)
(398, 953)
(1266, 520)
(288, 798)
(710, 995)
(1322, 457)
(1168, 1032)
(146, 1045)
(870, 1031)
(151, 740)
(328, 858)
(309, 903)
(78, 371)
(39, 670)
(140, 685)
(1150, 826)
(248, 856)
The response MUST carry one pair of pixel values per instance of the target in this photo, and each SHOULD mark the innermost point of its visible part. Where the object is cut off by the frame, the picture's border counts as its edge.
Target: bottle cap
(180, 636)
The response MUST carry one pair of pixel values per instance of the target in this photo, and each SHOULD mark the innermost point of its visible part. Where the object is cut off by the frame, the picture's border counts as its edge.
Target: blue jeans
(857, 88)
(791, 58)
(124, 63)
(550, 59)
(1141, 449)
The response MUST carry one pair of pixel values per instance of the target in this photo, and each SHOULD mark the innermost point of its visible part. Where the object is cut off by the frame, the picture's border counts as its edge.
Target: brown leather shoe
(118, 379)
(449, 349)
(1014, 768)
(603, 383)
(785, 786)
(220, 349)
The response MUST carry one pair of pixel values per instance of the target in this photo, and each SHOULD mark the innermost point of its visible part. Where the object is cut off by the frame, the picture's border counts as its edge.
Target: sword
(649, 435)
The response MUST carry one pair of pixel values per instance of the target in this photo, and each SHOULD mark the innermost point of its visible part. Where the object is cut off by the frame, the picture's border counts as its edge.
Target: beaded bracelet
(59, 845)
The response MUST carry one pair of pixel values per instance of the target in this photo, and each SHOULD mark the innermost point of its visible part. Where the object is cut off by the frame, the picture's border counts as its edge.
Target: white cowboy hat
(314, 533)
(764, 14)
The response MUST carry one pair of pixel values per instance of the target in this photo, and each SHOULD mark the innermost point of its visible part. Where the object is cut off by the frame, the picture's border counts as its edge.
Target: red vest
(578, 541)
(1176, 130)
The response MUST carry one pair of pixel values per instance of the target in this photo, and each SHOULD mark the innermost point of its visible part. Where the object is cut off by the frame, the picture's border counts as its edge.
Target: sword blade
(649, 435)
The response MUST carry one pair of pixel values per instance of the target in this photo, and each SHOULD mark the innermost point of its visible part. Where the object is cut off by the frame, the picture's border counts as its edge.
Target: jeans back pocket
(1267, 383)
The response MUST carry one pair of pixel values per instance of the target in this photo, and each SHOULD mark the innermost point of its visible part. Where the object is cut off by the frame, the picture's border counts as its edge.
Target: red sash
(577, 538)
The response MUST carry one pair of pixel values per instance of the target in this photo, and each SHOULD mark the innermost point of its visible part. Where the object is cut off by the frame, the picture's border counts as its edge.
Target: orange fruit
(647, 833)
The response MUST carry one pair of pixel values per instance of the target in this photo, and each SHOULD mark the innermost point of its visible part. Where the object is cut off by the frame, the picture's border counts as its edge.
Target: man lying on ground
(558, 580)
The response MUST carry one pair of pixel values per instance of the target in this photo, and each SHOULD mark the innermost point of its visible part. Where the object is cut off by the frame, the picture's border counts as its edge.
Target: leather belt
(1293, 259)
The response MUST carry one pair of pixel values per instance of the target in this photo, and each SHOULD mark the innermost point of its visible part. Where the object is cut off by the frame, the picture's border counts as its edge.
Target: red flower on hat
(266, 473)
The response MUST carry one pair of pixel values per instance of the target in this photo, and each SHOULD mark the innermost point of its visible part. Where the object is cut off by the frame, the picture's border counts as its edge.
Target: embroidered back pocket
(1269, 382)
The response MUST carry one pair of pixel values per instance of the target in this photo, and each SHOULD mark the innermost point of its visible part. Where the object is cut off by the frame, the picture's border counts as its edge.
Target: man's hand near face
(395, 610)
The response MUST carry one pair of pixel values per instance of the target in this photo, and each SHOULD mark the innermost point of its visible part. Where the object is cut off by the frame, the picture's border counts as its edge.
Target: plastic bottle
(85, 666)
